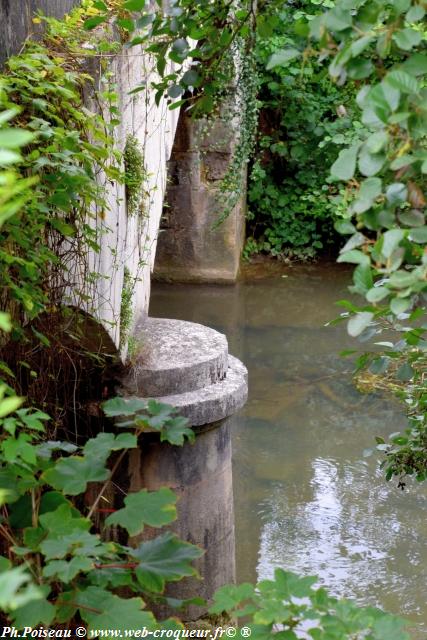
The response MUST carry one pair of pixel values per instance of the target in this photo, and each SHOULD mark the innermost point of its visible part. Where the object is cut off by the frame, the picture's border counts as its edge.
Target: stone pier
(187, 365)
(189, 249)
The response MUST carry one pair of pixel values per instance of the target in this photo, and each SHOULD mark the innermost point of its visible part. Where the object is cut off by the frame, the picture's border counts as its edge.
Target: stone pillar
(189, 249)
(188, 366)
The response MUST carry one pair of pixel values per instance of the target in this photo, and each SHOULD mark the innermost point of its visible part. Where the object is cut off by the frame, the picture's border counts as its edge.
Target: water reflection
(305, 498)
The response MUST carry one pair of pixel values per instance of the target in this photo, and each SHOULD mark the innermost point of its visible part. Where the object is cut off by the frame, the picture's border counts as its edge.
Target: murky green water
(305, 498)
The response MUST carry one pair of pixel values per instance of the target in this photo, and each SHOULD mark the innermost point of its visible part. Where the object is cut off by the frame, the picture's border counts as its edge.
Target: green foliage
(200, 33)
(244, 112)
(164, 559)
(290, 219)
(126, 306)
(65, 146)
(150, 416)
(290, 607)
(154, 509)
(382, 45)
(303, 118)
(134, 176)
(61, 566)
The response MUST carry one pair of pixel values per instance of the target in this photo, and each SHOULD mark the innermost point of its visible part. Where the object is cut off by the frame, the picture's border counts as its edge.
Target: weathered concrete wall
(201, 476)
(125, 240)
(16, 21)
(130, 240)
(189, 250)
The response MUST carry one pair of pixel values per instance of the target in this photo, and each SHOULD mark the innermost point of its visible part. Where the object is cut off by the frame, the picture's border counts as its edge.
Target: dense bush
(303, 117)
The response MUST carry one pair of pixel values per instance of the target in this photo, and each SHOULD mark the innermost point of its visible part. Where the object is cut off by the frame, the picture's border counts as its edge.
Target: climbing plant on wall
(303, 119)
(69, 157)
(57, 567)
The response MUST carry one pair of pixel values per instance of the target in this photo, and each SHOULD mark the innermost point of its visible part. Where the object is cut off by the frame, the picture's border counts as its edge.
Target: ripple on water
(305, 498)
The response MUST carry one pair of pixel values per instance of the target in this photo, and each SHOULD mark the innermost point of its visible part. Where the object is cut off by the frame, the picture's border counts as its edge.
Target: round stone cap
(216, 401)
(176, 357)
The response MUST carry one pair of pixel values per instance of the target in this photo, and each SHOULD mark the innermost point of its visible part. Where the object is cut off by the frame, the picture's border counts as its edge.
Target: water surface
(305, 497)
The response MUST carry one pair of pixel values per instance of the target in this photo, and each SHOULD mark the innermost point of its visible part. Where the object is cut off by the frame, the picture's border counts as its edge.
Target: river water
(305, 497)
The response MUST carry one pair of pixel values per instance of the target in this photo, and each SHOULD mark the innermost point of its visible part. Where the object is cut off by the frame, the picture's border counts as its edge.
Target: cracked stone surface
(176, 357)
(187, 365)
(216, 401)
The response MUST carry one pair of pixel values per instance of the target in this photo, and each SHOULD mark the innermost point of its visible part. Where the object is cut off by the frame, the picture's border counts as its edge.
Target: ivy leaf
(123, 407)
(176, 430)
(66, 570)
(134, 5)
(100, 447)
(359, 322)
(102, 611)
(79, 543)
(231, 596)
(164, 559)
(93, 22)
(281, 58)
(36, 612)
(155, 508)
(65, 519)
(72, 475)
(13, 138)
